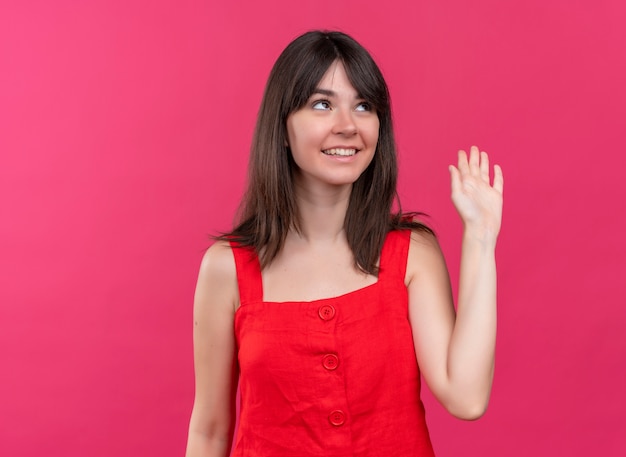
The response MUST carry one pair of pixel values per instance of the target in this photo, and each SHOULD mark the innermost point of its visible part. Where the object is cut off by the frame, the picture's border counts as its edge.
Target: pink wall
(124, 133)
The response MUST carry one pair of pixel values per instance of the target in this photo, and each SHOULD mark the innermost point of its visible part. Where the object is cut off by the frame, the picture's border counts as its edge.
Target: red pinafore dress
(335, 377)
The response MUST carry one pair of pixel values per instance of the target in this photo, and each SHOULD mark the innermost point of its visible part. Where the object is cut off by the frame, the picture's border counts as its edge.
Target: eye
(321, 105)
(363, 106)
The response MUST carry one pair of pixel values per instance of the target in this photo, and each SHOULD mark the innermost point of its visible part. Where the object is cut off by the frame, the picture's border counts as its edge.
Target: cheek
(304, 135)
(294, 132)
(373, 133)
(297, 141)
(290, 135)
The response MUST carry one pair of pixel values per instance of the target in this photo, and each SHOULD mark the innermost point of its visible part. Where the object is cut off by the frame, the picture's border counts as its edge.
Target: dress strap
(394, 255)
(248, 274)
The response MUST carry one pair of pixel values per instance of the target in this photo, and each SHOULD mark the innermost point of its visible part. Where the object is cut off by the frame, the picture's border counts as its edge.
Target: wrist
(485, 236)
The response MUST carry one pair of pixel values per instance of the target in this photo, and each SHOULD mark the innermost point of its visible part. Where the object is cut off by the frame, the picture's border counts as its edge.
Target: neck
(322, 212)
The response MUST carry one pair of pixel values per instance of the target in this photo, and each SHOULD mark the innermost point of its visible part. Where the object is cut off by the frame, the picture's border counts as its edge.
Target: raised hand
(477, 201)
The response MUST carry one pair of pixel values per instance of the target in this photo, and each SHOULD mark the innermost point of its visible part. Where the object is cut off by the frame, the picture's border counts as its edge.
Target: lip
(342, 146)
(340, 158)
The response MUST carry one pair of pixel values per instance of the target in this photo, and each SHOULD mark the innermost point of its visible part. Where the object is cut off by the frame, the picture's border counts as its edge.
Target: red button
(326, 312)
(337, 418)
(330, 362)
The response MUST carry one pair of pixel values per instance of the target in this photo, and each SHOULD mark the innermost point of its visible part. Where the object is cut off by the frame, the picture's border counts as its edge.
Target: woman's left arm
(456, 350)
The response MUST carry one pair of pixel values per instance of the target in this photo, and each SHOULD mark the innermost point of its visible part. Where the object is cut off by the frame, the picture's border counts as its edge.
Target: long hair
(268, 209)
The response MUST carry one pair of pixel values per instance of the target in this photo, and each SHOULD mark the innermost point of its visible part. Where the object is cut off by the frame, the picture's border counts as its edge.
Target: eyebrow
(332, 93)
(328, 93)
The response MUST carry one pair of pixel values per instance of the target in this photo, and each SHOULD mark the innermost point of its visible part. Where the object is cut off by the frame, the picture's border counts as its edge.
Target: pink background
(124, 133)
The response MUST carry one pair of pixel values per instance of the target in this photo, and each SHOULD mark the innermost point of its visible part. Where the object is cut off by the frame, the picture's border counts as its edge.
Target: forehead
(336, 79)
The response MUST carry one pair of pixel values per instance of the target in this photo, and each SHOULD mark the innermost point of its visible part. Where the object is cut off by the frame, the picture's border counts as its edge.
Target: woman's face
(334, 136)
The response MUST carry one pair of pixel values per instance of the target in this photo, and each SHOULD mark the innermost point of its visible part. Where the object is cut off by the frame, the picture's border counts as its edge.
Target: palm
(477, 201)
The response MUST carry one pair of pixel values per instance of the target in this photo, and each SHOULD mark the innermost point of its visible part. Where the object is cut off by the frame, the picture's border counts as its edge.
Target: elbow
(469, 413)
(469, 401)
(468, 410)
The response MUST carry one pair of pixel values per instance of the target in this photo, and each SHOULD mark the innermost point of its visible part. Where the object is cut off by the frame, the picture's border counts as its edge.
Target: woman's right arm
(215, 362)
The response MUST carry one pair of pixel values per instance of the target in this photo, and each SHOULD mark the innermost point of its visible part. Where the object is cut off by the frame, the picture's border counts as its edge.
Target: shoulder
(217, 277)
(424, 257)
(218, 261)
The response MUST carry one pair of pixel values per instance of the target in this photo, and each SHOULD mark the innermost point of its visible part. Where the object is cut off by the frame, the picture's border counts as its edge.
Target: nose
(344, 122)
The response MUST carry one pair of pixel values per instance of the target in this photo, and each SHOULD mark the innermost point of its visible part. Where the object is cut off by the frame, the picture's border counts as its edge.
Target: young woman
(324, 305)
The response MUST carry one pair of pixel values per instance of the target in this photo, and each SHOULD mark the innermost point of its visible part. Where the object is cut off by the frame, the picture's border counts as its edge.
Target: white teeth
(339, 152)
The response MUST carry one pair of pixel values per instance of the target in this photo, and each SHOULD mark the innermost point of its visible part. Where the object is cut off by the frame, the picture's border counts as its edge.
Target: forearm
(203, 445)
(472, 346)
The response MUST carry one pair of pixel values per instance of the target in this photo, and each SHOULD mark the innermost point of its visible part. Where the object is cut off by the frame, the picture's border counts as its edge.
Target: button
(337, 418)
(326, 312)
(330, 362)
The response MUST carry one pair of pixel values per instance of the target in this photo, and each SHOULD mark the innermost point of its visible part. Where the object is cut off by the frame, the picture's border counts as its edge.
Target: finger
(498, 179)
(473, 161)
(463, 166)
(455, 179)
(484, 167)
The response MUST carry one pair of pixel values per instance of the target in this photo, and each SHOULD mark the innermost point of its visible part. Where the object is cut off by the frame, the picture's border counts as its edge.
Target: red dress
(335, 377)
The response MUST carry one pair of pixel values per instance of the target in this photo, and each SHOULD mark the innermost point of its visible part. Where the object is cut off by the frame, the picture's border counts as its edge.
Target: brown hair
(268, 209)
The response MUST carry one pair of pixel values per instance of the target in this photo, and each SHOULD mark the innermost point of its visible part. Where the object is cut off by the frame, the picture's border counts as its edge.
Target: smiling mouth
(340, 152)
